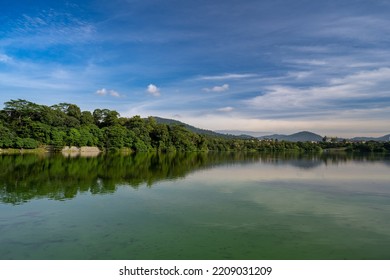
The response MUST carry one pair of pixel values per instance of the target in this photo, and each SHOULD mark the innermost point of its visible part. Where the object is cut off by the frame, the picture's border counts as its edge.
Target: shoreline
(85, 150)
(12, 151)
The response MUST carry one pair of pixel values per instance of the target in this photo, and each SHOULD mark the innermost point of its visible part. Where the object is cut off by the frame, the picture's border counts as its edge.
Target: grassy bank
(40, 150)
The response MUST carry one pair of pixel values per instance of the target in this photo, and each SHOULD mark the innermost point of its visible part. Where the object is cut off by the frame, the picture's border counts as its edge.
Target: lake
(195, 206)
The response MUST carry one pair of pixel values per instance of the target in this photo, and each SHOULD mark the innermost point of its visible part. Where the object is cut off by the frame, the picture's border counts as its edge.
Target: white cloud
(365, 77)
(363, 28)
(101, 92)
(309, 49)
(310, 62)
(222, 88)
(5, 58)
(114, 93)
(299, 75)
(153, 90)
(227, 77)
(368, 89)
(225, 109)
(104, 92)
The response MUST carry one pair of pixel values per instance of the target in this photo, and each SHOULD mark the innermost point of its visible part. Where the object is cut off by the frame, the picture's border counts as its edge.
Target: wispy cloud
(153, 90)
(49, 27)
(311, 62)
(5, 58)
(104, 92)
(222, 88)
(371, 78)
(299, 75)
(309, 49)
(225, 109)
(114, 93)
(362, 28)
(230, 76)
(351, 92)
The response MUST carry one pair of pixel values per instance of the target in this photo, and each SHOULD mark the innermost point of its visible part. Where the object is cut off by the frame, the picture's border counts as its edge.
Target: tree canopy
(24, 124)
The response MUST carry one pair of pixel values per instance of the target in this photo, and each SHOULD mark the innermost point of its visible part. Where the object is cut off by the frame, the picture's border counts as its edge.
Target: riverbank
(80, 151)
(10, 151)
(68, 151)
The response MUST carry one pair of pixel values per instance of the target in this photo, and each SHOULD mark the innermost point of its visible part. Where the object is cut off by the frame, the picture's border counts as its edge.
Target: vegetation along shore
(29, 127)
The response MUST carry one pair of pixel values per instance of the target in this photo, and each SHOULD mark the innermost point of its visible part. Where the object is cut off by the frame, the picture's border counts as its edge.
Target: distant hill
(251, 134)
(302, 136)
(384, 138)
(379, 139)
(200, 130)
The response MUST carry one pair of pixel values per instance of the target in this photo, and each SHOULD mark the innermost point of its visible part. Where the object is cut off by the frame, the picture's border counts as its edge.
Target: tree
(86, 137)
(183, 139)
(114, 137)
(16, 109)
(57, 139)
(40, 132)
(160, 137)
(29, 143)
(71, 114)
(105, 117)
(86, 118)
(97, 135)
(110, 117)
(141, 131)
(71, 110)
(6, 137)
(73, 137)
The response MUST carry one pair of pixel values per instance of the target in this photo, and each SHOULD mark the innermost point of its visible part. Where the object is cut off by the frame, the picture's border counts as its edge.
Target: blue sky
(274, 66)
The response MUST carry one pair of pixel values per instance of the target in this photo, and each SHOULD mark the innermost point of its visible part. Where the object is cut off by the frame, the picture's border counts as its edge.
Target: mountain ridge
(200, 130)
(302, 136)
(383, 138)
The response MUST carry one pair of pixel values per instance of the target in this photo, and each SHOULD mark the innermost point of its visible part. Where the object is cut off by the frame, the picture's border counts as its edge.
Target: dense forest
(26, 125)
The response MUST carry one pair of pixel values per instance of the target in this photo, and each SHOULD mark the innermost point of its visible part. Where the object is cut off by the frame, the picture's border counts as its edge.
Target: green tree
(58, 139)
(40, 132)
(160, 137)
(86, 118)
(74, 137)
(17, 109)
(105, 117)
(6, 137)
(86, 137)
(141, 131)
(111, 118)
(183, 139)
(71, 110)
(114, 137)
(26, 143)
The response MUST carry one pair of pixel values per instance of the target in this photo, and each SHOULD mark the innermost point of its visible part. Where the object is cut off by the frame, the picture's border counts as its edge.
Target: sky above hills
(270, 66)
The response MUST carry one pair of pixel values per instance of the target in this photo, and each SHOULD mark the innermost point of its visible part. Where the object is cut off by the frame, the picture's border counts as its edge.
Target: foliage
(24, 124)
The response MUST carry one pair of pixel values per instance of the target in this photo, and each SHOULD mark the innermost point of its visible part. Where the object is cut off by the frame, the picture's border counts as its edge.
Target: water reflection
(26, 177)
(201, 206)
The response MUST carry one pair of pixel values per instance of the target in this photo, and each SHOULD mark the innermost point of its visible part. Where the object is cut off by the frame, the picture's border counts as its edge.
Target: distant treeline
(24, 124)
(362, 147)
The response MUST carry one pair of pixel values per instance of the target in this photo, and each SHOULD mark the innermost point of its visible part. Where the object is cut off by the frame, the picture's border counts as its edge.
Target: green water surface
(195, 206)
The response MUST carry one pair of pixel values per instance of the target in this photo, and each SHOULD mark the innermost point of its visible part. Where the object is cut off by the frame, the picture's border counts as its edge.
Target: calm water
(195, 206)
